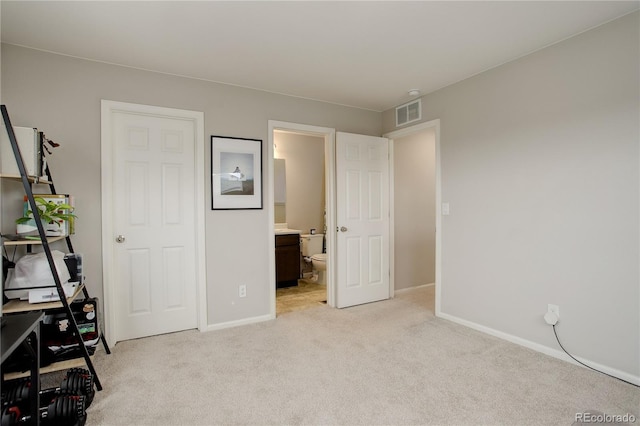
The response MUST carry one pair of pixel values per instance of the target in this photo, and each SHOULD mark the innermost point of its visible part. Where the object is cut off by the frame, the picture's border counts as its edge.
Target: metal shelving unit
(44, 241)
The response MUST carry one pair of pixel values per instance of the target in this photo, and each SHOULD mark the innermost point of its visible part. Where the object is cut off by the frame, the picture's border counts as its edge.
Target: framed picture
(236, 173)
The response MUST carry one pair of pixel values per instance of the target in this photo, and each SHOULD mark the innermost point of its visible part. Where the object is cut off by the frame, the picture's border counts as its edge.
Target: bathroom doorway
(302, 197)
(300, 205)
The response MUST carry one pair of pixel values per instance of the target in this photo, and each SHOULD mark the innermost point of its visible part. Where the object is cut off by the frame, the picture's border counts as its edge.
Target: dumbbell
(16, 393)
(64, 410)
(10, 416)
(77, 381)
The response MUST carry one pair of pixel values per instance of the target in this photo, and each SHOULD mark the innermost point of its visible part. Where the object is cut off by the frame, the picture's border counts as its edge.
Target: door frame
(108, 108)
(329, 136)
(407, 131)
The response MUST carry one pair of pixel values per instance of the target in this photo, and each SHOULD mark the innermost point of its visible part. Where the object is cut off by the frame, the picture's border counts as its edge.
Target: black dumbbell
(77, 381)
(11, 416)
(63, 410)
(16, 392)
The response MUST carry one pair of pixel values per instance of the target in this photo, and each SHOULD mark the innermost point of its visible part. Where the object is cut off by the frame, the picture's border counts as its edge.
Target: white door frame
(107, 158)
(329, 136)
(435, 125)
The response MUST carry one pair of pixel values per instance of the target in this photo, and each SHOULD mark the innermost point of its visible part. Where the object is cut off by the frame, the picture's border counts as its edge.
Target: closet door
(153, 247)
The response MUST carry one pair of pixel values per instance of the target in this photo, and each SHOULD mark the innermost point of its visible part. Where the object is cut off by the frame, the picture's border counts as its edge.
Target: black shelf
(24, 330)
(16, 329)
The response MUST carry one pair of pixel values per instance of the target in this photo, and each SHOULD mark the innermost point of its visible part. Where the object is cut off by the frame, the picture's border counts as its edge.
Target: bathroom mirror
(279, 190)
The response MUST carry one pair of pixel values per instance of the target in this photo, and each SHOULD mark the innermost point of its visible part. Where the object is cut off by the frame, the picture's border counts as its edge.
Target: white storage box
(30, 145)
(50, 294)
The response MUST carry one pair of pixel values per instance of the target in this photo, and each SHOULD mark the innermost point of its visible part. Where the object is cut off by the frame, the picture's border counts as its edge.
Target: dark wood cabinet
(287, 260)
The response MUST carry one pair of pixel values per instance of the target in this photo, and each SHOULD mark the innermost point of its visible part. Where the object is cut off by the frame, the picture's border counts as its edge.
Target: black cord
(582, 363)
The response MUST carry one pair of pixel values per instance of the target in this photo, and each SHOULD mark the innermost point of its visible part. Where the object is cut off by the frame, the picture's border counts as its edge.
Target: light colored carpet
(385, 363)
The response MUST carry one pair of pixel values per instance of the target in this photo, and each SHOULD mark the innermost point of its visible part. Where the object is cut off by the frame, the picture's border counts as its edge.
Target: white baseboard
(245, 321)
(402, 290)
(556, 353)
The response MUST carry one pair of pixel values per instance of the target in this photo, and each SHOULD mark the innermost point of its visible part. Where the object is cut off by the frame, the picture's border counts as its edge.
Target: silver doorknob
(120, 239)
(343, 228)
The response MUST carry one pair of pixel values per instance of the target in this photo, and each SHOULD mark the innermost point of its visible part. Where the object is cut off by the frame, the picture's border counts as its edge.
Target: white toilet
(312, 251)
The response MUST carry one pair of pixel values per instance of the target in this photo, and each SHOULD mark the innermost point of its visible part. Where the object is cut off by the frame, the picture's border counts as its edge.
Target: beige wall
(414, 209)
(61, 96)
(304, 162)
(540, 166)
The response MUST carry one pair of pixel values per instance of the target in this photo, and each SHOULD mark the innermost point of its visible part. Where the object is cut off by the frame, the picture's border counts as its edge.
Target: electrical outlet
(242, 291)
(552, 315)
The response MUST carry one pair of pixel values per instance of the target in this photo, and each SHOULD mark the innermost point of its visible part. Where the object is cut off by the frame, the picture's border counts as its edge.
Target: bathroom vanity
(287, 257)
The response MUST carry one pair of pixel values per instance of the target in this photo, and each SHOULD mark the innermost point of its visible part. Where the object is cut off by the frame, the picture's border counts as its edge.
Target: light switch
(445, 209)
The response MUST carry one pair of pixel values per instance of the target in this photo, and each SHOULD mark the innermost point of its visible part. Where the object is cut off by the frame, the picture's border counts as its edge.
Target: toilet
(319, 262)
(312, 252)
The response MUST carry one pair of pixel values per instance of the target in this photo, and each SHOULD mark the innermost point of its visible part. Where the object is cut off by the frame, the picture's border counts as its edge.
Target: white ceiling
(363, 54)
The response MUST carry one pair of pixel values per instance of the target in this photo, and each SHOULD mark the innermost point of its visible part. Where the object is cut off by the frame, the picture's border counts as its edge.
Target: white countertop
(284, 231)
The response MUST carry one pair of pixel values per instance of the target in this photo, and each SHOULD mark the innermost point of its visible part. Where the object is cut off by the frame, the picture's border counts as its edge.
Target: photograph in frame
(236, 173)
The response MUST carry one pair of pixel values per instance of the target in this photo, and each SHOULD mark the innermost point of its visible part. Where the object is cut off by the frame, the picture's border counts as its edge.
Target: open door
(362, 190)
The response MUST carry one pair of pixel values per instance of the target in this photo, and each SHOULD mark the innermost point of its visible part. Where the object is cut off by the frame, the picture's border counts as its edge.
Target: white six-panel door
(153, 223)
(362, 189)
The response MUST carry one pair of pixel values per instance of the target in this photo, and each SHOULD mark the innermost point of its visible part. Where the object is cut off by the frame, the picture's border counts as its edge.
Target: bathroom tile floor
(305, 295)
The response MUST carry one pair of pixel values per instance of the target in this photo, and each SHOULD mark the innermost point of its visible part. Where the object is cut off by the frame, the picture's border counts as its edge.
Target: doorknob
(343, 228)
(120, 239)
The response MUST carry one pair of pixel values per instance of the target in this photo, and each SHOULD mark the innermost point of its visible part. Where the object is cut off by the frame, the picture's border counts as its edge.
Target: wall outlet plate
(242, 291)
(552, 315)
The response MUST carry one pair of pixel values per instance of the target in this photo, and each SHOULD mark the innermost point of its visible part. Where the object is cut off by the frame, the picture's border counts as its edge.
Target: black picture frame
(236, 173)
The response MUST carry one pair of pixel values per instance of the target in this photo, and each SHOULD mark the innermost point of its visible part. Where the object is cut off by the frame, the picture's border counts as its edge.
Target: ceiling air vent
(409, 112)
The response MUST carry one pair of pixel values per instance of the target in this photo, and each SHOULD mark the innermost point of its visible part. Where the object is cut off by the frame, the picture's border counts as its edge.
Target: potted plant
(53, 215)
